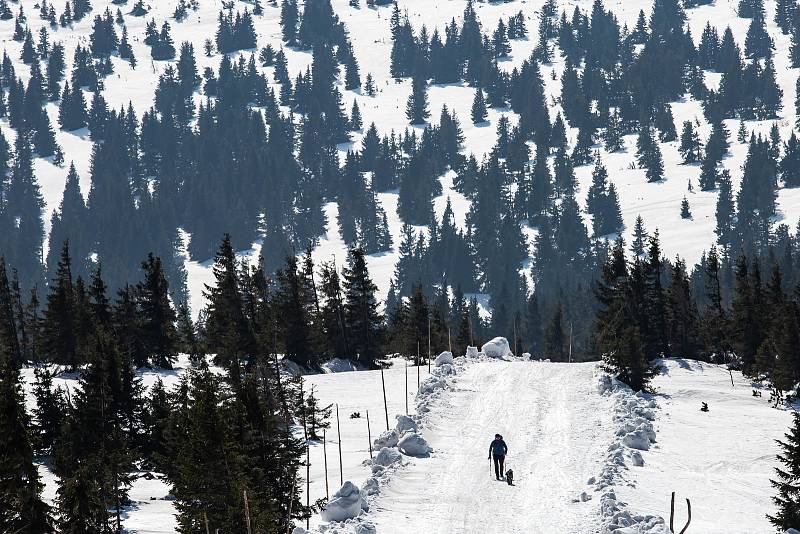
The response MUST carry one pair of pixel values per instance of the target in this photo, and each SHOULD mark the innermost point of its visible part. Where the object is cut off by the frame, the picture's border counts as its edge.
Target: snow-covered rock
(339, 365)
(366, 528)
(472, 352)
(792, 531)
(405, 424)
(497, 348)
(412, 444)
(526, 356)
(636, 459)
(386, 456)
(346, 503)
(444, 358)
(386, 439)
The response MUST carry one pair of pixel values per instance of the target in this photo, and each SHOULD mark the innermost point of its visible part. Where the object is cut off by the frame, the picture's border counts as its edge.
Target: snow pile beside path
(347, 503)
(412, 444)
(444, 358)
(339, 365)
(633, 416)
(497, 348)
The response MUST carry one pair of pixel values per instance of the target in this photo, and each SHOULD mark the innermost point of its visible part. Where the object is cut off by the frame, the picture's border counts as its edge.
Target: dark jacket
(498, 447)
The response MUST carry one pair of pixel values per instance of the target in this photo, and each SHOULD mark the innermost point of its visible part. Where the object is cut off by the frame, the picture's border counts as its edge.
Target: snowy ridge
(633, 416)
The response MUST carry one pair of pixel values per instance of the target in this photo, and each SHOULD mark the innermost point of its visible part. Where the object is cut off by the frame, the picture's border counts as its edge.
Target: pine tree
(22, 509)
(787, 480)
(157, 316)
(364, 322)
(690, 147)
(479, 112)
(417, 105)
(685, 212)
(789, 167)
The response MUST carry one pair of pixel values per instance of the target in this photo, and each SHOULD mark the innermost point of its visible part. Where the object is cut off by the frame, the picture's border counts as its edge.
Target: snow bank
(347, 503)
(339, 365)
(633, 416)
(405, 424)
(444, 358)
(386, 457)
(386, 439)
(412, 444)
(497, 348)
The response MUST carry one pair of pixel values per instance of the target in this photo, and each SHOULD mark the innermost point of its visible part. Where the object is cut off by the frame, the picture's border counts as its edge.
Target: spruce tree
(787, 481)
(417, 105)
(157, 316)
(479, 113)
(364, 322)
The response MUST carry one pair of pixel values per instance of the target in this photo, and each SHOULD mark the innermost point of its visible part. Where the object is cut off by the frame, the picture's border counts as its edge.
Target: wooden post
(339, 435)
(570, 342)
(731, 373)
(247, 512)
(449, 342)
(429, 345)
(406, 387)
(515, 336)
(418, 366)
(325, 455)
(308, 483)
(205, 520)
(291, 502)
(369, 436)
(385, 407)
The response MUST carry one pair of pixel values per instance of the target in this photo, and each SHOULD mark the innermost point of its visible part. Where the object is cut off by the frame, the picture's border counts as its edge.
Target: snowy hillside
(658, 203)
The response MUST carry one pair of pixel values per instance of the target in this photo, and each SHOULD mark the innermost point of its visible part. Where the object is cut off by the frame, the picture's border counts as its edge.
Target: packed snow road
(557, 427)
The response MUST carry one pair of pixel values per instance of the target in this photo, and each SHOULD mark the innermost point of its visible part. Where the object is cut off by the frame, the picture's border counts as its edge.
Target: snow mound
(386, 439)
(634, 414)
(444, 358)
(405, 424)
(496, 348)
(339, 365)
(386, 457)
(370, 487)
(792, 531)
(472, 352)
(347, 503)
(526, 356)
(412, 444)
(430, 385)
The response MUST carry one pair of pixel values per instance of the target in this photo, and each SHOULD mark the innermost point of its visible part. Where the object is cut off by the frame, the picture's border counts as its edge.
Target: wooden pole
(205, 520)
(570, 342)
(247, 512)
(429, 344)
(731, 373)
(449, 342)
(418, 366)
(369, 436)
(339, 435)
(406, 387)
(291, 502)
(308, 484)
(515, 336)
(325, 455)
(385, 407)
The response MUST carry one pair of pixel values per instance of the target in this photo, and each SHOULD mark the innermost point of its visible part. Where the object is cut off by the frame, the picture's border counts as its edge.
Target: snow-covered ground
(721, 460)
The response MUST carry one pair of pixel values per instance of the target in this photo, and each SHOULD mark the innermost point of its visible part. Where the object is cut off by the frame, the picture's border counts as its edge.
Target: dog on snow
(510, 477)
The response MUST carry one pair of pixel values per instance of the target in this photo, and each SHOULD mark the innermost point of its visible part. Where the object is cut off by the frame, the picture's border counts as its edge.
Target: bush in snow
(444, 358)
(497, 348)
(347, 503)
(412, 444)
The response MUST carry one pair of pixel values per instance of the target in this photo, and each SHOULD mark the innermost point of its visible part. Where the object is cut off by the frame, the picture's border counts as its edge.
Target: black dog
(510, 477)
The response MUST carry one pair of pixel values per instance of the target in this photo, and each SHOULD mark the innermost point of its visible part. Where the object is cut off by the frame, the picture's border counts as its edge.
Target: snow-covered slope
(659, 203)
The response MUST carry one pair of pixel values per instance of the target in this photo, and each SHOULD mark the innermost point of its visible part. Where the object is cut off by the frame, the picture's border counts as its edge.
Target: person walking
(498, 449)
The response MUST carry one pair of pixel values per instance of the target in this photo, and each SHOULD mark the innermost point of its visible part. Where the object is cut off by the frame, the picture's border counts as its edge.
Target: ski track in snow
(557, 428)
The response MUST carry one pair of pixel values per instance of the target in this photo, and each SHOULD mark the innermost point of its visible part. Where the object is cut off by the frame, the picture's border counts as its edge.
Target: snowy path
(557, 428)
